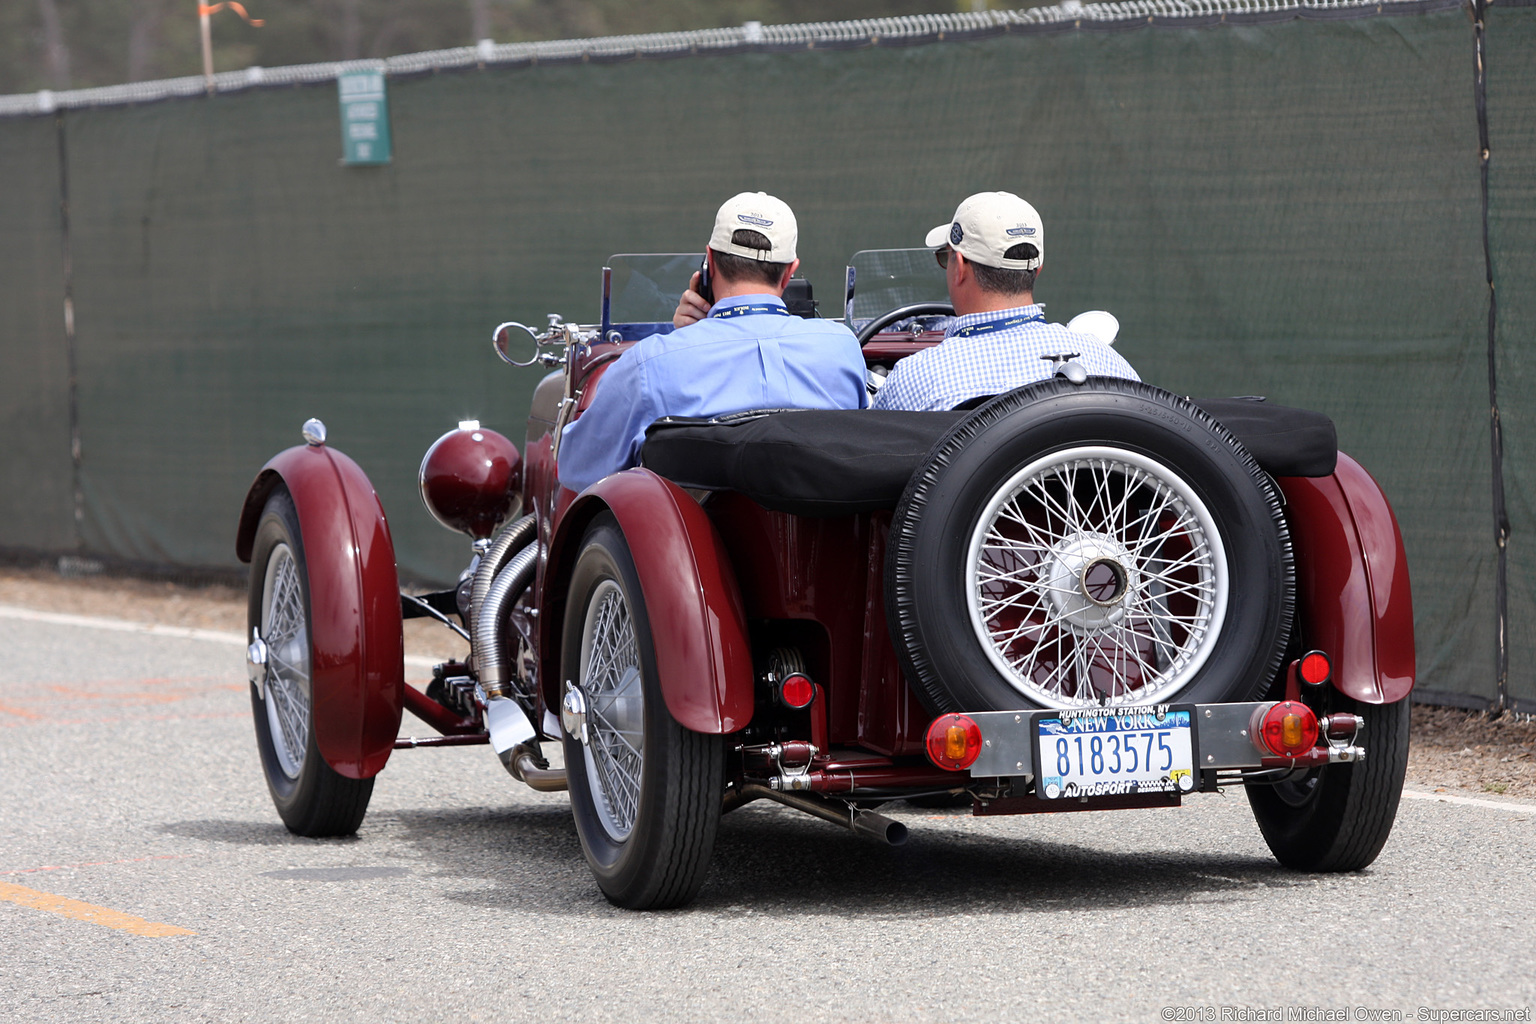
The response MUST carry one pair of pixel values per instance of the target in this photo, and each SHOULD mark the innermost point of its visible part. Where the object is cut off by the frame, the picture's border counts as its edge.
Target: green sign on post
(364, 117)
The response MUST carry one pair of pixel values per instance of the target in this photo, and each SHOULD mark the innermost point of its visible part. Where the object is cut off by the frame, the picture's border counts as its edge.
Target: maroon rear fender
(354, 602)
(697, 619)
(1352, 581)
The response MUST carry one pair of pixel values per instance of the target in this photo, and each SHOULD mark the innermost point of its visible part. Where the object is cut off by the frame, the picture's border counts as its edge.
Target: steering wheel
(885, 320)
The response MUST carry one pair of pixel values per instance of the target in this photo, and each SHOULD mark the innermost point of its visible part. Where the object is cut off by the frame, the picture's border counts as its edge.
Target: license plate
(1113, 752)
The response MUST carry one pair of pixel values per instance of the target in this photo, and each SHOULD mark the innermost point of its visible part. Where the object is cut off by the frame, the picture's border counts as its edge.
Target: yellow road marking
(89, 912)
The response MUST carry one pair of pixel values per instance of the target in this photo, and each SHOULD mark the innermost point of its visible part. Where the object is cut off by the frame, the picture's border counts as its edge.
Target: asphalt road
(133, 806)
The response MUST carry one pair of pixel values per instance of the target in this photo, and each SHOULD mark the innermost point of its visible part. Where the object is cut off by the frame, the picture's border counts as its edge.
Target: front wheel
(645, 791)
(312, 798)
(1338, 818)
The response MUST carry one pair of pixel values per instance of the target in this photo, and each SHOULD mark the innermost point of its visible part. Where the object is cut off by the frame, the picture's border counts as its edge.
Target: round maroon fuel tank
(469, 479)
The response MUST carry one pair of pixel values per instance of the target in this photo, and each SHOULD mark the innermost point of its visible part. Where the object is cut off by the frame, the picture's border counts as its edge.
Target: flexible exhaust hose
(489, 616)
(507, 543)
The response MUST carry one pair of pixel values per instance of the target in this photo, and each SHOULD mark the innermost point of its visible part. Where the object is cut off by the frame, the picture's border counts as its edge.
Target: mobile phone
(705, 291)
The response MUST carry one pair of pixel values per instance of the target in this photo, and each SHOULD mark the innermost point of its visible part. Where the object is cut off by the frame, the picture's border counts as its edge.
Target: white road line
(1469, 801)
(120, 625)
(216, 636)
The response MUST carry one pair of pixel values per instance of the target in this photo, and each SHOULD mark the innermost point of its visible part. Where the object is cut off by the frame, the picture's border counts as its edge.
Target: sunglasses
(942, 256)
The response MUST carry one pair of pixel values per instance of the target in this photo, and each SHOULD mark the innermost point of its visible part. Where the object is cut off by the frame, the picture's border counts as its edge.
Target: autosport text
(1122, 788)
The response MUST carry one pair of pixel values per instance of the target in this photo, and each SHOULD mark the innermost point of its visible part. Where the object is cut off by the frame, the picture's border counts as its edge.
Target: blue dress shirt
(727, 363)
(998, 357)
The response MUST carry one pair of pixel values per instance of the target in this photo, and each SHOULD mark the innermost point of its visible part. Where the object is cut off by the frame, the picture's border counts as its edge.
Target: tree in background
(74, 44)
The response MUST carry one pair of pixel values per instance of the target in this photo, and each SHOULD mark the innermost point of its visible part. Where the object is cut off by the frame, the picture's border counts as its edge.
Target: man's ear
(784, 281)
(961, 265)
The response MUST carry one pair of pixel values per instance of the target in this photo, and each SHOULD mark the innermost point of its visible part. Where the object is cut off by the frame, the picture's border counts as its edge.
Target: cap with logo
(760, 212)
(987, 225)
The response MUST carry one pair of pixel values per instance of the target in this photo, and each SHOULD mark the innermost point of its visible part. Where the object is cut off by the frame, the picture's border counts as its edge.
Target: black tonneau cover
(830, 462)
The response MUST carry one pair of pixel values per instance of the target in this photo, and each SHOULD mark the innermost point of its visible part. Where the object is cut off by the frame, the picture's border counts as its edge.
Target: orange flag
(232, 5)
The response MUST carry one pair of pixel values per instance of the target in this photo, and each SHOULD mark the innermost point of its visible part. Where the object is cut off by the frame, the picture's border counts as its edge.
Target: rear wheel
(1338, 818)
(645, 791)
(311, 797)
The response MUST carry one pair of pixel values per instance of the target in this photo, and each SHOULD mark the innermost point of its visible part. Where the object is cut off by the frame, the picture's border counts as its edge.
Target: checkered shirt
(961, 368)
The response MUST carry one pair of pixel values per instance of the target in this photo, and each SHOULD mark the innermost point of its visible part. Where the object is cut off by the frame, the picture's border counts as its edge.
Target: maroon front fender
(358, 675)
(1352, 581)
(697, 620)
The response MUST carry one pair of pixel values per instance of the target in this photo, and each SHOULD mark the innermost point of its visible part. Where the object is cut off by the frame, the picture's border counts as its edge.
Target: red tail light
(1316, 669)
(1286, 729)
(796, 691)
(954, 742)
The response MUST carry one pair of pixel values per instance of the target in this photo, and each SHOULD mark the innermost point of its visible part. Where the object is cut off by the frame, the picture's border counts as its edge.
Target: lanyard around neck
(988, 326)
(730, 311)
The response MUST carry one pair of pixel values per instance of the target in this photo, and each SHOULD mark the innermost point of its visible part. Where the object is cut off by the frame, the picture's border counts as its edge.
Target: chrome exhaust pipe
(509, 584)
(878, 826)
(527, 765)
(865, 823)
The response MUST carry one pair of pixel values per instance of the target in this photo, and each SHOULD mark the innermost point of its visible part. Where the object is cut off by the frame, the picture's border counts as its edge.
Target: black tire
(312, 798)
(1182, 617)
(1338, 818)
(648, 849)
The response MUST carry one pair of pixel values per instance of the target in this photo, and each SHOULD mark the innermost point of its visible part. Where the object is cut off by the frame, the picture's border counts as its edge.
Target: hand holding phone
(693, 305)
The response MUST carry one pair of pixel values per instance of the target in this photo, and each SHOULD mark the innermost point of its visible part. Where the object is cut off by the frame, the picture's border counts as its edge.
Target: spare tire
(1083, 545)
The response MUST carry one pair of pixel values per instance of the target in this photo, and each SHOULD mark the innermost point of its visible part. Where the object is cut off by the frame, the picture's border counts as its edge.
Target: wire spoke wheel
(286, 631)
(1096, 576)
(1094, 545)
(645, 791)
(312, 798)
(615, 700)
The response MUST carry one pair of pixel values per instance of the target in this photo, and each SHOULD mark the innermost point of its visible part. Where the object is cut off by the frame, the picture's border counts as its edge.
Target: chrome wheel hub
(573, 713)
(1089, 577)
(256, 663)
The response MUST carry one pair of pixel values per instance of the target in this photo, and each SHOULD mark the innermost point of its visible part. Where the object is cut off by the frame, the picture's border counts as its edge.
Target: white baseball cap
(760, 212)
(987, 225)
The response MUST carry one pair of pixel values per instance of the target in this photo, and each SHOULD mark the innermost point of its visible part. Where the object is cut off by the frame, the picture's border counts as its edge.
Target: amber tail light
(1285, 729)
(954, 742)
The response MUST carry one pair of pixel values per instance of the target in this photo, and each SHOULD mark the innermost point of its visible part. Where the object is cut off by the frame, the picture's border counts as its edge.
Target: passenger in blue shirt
(742, 351)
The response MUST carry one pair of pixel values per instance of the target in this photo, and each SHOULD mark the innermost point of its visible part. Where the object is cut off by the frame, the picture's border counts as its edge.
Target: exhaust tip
(525, 764)
(878, 826)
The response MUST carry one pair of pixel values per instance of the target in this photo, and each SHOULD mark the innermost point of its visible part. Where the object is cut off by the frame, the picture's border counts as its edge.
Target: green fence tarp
(232, 281)
(36, 486)
(1288, 209)
(1512, 238)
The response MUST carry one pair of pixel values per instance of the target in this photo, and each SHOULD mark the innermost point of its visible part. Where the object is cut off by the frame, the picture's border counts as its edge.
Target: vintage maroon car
(1085, 594)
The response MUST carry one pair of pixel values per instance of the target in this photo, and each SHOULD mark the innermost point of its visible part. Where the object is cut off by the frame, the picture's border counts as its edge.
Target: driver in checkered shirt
(991, 253)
